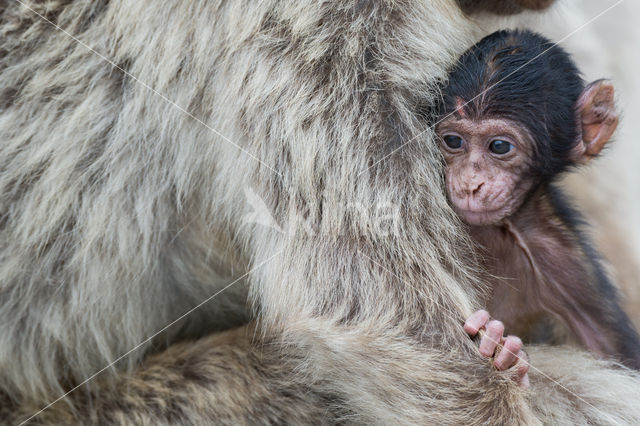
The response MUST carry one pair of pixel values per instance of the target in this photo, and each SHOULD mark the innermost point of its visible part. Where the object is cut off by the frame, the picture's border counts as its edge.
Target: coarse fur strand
(119, 212)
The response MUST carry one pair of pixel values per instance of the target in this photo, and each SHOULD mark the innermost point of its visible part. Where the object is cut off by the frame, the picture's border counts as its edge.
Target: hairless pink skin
(486, 187)
(509, 356)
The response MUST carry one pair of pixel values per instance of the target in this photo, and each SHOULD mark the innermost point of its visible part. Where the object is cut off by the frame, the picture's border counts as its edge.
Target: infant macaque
(515, 114)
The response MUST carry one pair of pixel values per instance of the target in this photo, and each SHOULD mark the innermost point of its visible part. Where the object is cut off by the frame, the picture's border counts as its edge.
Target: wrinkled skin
(486, 187)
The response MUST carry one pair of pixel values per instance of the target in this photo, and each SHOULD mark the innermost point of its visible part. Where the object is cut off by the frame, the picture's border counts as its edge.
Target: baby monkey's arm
(506, 352)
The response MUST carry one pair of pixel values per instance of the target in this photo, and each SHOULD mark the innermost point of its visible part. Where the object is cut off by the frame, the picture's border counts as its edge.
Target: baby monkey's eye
(452, 141)
(500, 147)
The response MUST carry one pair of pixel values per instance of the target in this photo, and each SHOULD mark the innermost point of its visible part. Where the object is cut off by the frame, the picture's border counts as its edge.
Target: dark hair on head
(528, 80)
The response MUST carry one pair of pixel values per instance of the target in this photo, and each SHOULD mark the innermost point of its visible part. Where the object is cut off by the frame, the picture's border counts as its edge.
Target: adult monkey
(119, 212)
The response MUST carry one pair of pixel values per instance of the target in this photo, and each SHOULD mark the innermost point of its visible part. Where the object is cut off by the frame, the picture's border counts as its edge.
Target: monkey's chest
(514, 291)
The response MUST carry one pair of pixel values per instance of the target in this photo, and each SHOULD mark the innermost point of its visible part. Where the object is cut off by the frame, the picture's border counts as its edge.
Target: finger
(475, 322)
(508, 356)
(522, 370)
(491, 338)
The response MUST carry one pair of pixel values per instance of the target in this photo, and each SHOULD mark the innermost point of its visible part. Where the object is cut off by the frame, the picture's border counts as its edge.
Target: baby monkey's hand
(506, 351)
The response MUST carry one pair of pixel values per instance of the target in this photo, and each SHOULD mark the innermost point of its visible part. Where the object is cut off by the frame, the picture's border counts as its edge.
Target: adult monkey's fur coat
(119, 212)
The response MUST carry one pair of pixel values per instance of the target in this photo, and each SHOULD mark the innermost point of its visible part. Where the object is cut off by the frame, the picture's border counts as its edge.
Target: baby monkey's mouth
(480, 217)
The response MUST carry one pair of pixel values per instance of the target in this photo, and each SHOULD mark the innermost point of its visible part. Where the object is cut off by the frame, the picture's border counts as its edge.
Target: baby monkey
(516, 114)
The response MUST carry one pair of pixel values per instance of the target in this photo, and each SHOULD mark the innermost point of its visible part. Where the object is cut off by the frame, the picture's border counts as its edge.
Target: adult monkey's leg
(232, 378)
(225, 378)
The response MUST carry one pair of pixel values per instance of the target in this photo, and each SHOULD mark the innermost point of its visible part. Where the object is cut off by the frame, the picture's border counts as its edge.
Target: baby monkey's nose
(475, 190)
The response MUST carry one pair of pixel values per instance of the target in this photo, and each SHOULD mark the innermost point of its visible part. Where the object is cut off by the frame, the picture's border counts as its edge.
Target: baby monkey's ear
(597, 118)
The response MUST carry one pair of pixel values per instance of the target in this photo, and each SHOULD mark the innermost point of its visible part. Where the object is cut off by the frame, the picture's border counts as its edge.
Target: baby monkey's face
(487, 164)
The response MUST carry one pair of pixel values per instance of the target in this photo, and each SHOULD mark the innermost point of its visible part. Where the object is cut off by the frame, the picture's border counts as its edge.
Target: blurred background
(604, 38)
